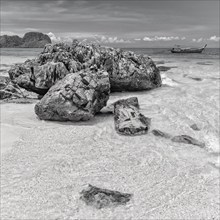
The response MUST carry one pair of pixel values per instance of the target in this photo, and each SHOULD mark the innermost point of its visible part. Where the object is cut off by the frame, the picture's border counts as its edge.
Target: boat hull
(187, 51)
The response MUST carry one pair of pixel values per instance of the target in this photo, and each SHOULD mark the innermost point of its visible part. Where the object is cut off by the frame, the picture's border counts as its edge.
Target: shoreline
(48, 163)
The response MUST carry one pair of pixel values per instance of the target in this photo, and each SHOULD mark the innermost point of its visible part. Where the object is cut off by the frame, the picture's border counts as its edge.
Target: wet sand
(44, 165)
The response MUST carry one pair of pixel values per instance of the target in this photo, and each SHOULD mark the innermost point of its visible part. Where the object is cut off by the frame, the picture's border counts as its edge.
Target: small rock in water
(128, 119)
(101, 198)
(187, 140)
(195, 127)
(196, 78)
(165, 68)
(160, 133)
(131, 101)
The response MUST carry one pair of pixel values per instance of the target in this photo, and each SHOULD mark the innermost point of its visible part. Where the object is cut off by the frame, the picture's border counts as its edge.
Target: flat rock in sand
(187, 140)
(101, 198)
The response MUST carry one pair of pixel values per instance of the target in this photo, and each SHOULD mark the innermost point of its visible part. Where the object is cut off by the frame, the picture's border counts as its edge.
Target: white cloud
(162, 38)
(53, 37)
(197, 40)
(31, 29)
(214, 38)
(137, 39)
(105, 39)
(183, 38)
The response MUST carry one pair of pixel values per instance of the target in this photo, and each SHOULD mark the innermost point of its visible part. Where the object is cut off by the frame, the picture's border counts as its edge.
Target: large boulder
(33, 77)
(77, 97)
(131, 72)
(128, 119)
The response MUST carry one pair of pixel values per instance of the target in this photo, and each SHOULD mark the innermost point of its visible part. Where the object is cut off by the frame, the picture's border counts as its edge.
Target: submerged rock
(101, 198)
(195, 127)
(128, 119)
(160, 133)
(187, 140)
(77, 97)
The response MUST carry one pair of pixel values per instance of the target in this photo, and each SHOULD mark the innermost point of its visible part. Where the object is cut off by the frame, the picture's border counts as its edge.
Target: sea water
(49, 163)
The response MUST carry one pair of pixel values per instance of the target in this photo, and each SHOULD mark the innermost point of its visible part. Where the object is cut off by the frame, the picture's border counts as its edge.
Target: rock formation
(10, 90)
(30, 40)
(127, 71)
(77, 97)
(128, 119)
(102, 198)
(33, 77)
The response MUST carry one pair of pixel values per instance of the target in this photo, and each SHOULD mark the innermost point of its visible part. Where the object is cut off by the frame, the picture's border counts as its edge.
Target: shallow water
(50, 163)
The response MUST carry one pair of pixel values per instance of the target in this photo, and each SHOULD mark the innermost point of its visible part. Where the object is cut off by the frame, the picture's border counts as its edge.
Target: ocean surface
(9, 56)
(46, 164)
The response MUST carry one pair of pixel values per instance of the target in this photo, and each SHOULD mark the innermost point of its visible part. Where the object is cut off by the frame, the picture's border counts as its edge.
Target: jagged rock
(101, 198)
(127, 71)
(30, 40)
(35, 78)
(77, 97)
(187, 140)
(128, 119)
(159, 133)
(10, 90)
(195, 127)
(131, 72)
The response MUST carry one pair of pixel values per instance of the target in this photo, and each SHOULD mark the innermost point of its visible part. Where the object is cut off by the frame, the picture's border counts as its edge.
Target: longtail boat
(179, 49)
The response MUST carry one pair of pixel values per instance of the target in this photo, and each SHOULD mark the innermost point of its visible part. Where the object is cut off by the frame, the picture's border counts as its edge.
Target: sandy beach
(45, 165)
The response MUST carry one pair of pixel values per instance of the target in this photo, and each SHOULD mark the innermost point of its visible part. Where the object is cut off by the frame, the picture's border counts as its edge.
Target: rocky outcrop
(102, 198)
(128, 119)
(77, 97)
(127, 71)
(10, 41)
(30, 40)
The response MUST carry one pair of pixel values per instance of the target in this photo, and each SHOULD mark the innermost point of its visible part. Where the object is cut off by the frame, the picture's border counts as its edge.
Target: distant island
(30, 40)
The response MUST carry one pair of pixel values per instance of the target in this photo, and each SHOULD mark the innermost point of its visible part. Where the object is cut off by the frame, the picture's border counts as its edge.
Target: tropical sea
(46, 164)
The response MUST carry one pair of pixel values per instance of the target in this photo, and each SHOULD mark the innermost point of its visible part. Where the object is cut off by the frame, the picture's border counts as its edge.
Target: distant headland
(30, 40)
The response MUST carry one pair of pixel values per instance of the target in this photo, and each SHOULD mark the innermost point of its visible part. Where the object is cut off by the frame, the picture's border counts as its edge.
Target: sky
(156, 23)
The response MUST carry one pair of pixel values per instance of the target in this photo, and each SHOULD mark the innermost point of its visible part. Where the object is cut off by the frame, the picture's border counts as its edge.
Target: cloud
(53, 37)
(137, 39)
(162, 38)
(107, 39)
(197, 40)
(31, 29)
(214, 38)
